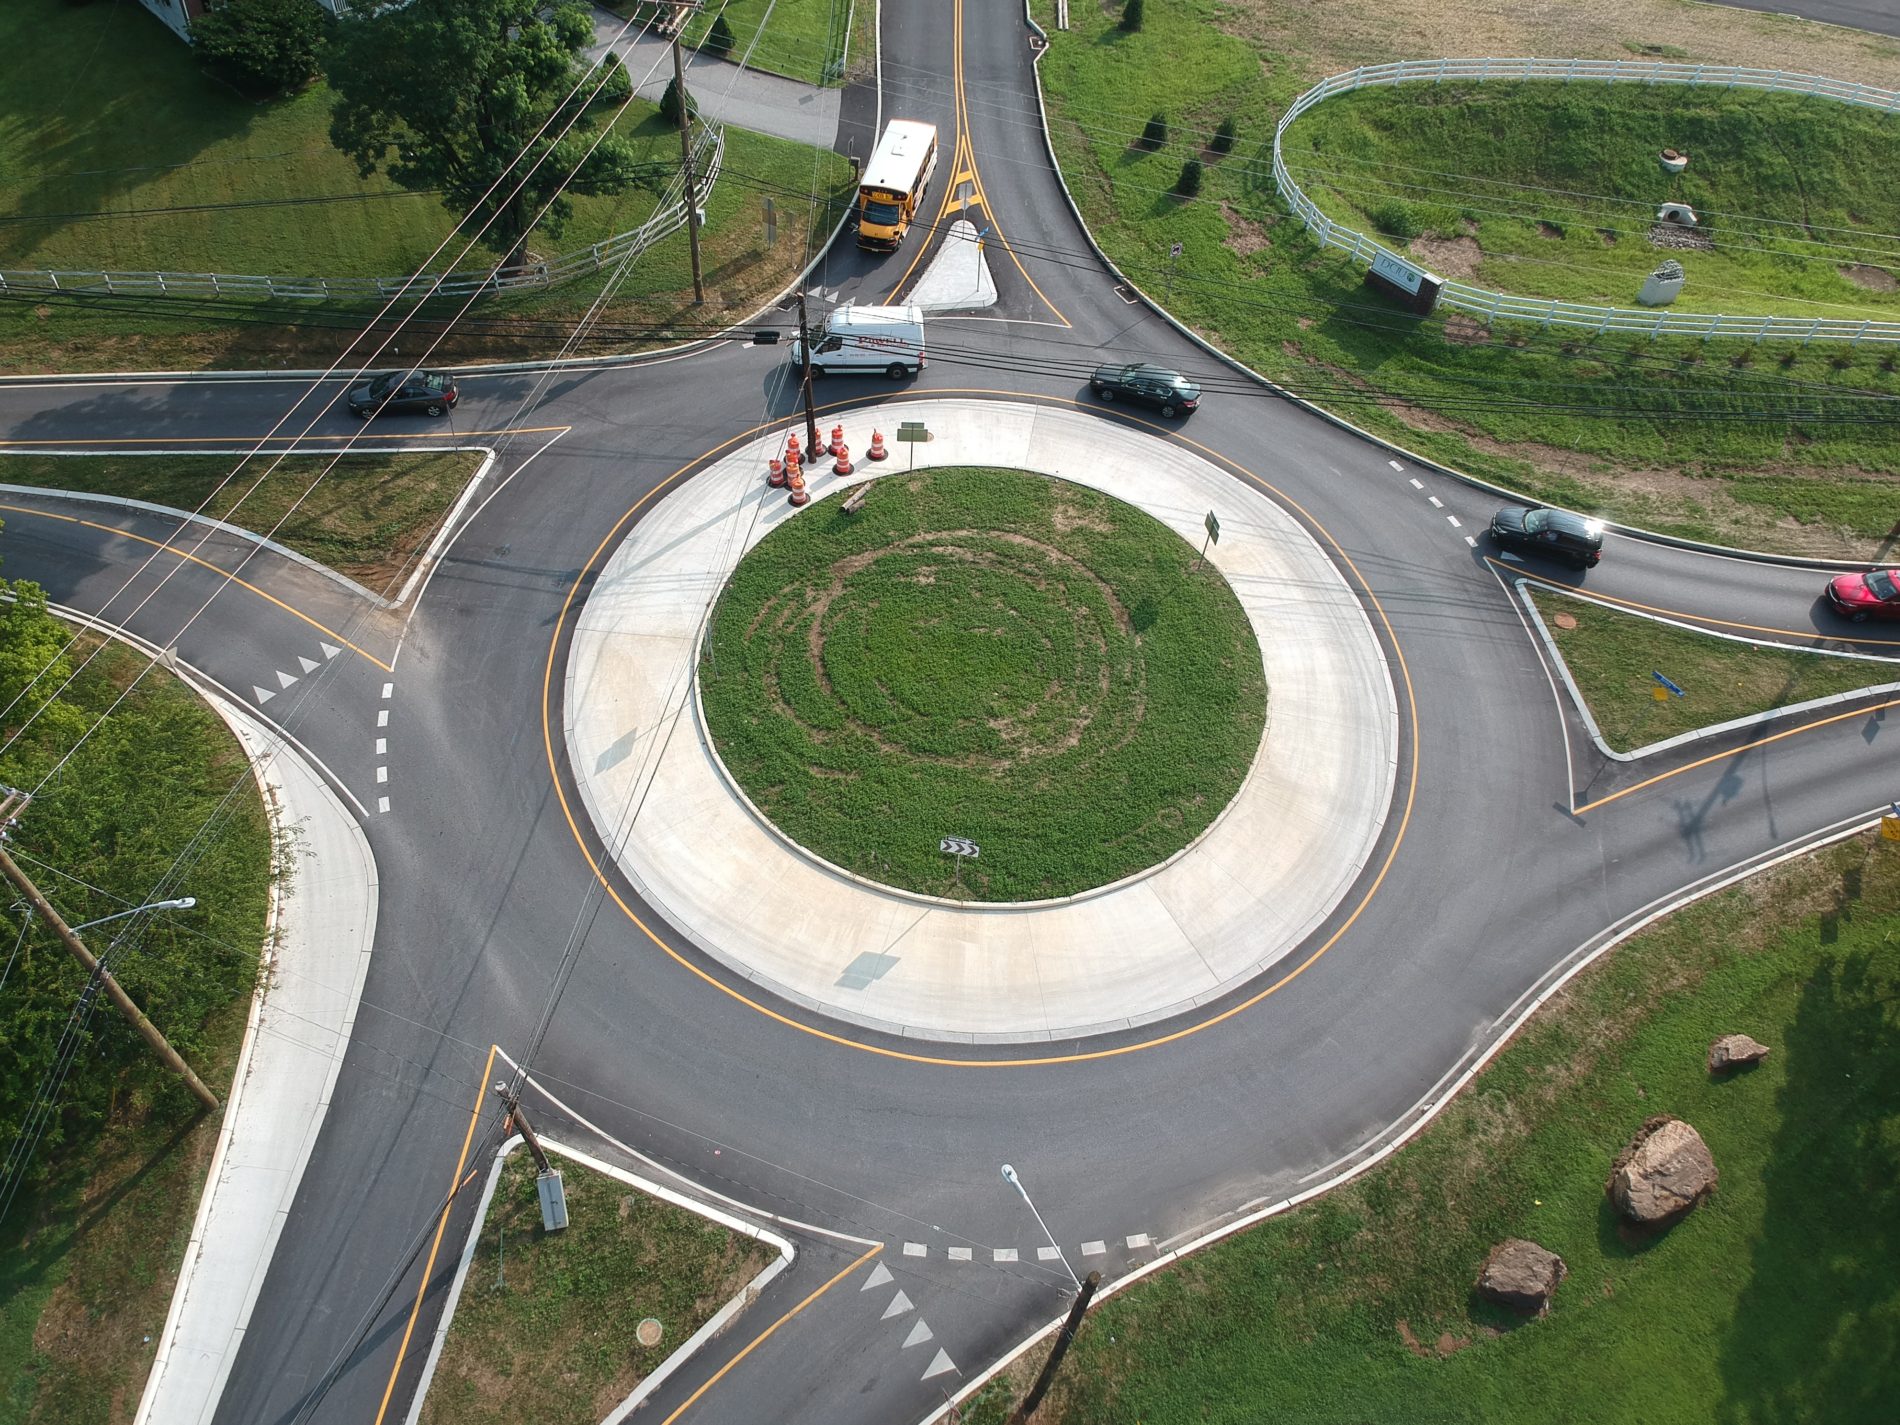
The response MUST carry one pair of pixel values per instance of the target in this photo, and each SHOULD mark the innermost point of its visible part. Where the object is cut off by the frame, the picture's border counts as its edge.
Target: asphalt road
(495, 931)
(1880, 16)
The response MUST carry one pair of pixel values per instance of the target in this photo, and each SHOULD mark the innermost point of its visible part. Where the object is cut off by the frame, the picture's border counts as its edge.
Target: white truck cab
(887, 339)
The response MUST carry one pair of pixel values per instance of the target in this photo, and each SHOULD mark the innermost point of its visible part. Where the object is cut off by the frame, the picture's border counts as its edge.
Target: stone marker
(1732, 1051)
(1666, 1170)
(1522, 1276)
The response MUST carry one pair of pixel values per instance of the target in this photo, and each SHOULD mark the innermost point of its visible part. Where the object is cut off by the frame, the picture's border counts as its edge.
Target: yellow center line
(1737, 752)
(456, 1183)
(272, 442)
(759, 1339)
(1085, 1056)
(225, 574)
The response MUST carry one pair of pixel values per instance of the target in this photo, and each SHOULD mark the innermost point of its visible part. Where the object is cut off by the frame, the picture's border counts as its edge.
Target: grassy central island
(985, 654)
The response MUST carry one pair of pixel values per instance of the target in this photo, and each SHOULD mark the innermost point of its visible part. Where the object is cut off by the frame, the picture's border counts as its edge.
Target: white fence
(708, 153)
(1645, 321)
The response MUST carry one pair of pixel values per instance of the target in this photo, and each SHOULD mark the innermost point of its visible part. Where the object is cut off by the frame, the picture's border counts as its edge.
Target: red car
(1875, 594)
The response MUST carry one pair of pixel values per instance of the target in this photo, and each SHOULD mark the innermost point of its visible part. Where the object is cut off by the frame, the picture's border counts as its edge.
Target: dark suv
(1167, 391)
(429, 392)
(1556, 534)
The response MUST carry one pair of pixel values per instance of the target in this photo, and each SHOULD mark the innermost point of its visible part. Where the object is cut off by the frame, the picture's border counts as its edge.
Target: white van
(887, 339)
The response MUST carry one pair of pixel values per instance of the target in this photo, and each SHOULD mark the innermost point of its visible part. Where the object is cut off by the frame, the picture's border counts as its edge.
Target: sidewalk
(745, 98)
(1268, 871)
(300, 1026)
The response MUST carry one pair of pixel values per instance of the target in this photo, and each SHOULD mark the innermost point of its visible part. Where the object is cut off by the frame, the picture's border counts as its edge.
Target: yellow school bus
(894, 182)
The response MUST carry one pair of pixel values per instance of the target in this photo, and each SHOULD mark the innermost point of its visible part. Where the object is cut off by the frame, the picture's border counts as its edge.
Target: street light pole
(1009, 1176)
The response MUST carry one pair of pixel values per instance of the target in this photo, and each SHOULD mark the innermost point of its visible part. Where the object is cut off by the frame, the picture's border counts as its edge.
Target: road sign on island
(912, 433)
(1212, 526)
(1665, 688)
(959, 846)
(1890, 823)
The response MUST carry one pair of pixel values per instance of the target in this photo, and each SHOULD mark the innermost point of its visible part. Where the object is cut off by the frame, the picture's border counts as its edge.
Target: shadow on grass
(1816, 1333)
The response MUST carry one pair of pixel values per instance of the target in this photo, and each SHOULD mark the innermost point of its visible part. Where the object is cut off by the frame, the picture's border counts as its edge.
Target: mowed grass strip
(800, 39)
(1611, 656)
(545, 1329)
(1550, 190)
(1776, 1300)
(985, 654)
(369, 517)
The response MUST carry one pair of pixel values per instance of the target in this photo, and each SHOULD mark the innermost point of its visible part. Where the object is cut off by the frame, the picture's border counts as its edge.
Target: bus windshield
(882, 213)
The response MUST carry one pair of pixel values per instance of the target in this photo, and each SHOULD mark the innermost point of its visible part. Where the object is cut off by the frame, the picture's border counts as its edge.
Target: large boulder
(1666, 1170)
(1732, 1051)
(1522, 1276)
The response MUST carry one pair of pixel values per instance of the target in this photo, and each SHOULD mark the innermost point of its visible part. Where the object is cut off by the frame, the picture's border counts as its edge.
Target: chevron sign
(958, 846)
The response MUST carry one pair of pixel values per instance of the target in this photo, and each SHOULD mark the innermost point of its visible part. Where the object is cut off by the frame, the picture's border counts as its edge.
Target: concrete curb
(1872, 690)
(1450, 472)
(680, 1354)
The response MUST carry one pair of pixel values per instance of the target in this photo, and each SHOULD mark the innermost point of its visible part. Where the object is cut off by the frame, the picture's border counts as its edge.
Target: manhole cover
(648, 1332)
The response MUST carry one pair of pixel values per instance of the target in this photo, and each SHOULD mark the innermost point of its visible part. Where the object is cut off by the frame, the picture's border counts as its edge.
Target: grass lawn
(1774, 1301)
(1611, 655)
(1788, 448)
(545, 1327)
(801, 39)
(1550, 190)
(986, 654)
(370, 517)
(91, 1248)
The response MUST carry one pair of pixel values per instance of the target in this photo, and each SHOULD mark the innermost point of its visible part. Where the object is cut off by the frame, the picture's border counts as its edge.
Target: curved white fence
(1646, 321)
(666, 220)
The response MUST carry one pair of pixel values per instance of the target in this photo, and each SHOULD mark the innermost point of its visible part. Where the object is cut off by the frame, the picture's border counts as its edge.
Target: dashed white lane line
(1398, 467)
(1095, 1249)
(388, 688)
(1418, 484)
(1004, 1254)
(880, 1274)
(382, 774)
(1472, 540)
(1455, 522)
(919, 1334)
(1140, 1239)
(382, 746)
(382, 804)
(1048, 1254)
(916, 1249)
(382, 717)
(1437, 503)
(899, 1305)
(961, 1254)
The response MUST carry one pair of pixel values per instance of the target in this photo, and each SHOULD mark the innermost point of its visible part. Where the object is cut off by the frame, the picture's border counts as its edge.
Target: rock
(1522, 1276)
(1732, 1051)
(1666, 1170)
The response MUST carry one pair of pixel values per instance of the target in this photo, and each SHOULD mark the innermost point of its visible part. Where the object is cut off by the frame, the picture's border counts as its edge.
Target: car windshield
(884, 214)
(1535, 521)
(1880, 584)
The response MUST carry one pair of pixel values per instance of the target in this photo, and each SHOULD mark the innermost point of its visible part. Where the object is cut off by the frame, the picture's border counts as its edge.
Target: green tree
(1131, 16)
(1189, 183)
(670, 102)
(1155, 132)
(262, 45)
(719, 38)
(477, 99)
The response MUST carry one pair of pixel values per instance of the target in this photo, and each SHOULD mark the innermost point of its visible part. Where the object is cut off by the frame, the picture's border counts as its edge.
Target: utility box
(553, 1200)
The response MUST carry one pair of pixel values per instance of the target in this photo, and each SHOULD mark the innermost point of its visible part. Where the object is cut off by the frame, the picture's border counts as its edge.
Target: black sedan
(397, 392)
(1167, 391)
(1555, 534)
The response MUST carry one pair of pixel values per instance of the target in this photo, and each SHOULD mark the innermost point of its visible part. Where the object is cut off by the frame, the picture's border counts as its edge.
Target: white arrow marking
(899, 1305)
(879, 1276)
(263, 695)
(939, 1365)
(919, 1334)
(284, 680)
(330, 650)
(310, 665)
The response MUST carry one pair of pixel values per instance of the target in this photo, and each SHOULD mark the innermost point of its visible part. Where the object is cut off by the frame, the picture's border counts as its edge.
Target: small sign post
(910, 433)
(1174, 255)
(1212, 526)
(1890, 823)
(959, 847)
(1664, 690)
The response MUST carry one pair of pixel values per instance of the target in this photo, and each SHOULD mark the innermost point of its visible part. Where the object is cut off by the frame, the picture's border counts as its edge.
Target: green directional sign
(1213, 527)
(912, 430)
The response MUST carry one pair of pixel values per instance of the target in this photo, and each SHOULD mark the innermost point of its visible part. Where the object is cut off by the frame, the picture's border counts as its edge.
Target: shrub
(719, 39)
(1396, 219)
(1155, 133)
(1223, 137)
(1189, 183)
(262, 45)
(1131, 16)
(670, 102)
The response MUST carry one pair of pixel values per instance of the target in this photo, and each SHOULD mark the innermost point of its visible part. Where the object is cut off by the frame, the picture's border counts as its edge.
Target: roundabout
(1188, 924)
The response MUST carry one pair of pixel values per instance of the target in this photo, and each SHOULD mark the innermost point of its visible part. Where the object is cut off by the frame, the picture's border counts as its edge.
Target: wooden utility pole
(520, 1121)
(805, 337)
(1066, 1335)
(686, 165)
(44, 909)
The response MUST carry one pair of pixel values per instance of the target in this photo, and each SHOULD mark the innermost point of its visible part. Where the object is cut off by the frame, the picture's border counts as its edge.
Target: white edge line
(1427, 1108)
(446, 529)
(680, 1354)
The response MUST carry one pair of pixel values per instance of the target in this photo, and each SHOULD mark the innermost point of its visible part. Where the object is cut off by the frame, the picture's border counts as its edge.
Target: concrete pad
(958, 278)
(1250, 890)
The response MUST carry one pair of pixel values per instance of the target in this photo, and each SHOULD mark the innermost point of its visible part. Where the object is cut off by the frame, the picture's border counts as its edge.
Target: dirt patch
(1461, 330)
(1549, 230)
(1449, 256)
(1874, 279)
(1245, 237)
(1412, 1343)
(1608, 235)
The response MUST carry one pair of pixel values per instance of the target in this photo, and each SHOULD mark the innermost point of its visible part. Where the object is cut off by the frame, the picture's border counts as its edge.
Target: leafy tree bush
(262, 45)
(1189, 183)
(1155, 132)
(719, 39)
(1224, 137)
(1396, 219)
(670, 102)
(1131, 16)
(452, 96)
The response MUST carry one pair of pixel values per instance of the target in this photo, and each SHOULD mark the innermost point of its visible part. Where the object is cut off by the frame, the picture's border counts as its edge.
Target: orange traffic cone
(797, 482)
(775, 472)
(791, 451)
(877, 450)
(842, 465)
(837, 439)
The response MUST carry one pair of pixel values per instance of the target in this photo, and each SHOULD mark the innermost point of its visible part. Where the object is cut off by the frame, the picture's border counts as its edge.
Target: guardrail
(1489, 305)
(708, 154)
